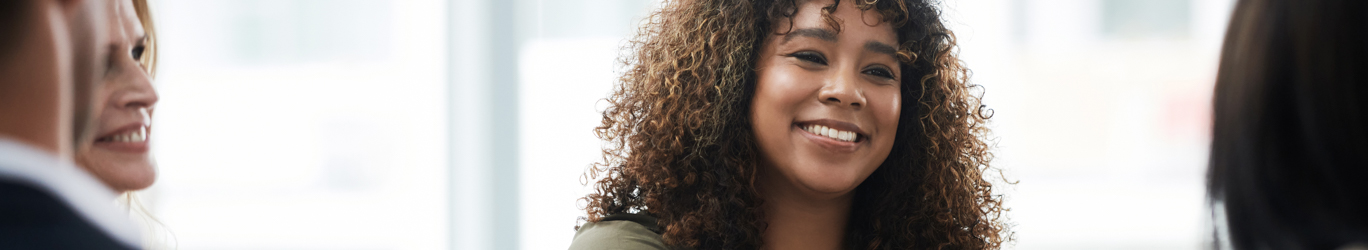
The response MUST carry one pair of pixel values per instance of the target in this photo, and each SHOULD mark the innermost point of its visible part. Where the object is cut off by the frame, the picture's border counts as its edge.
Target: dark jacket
(46, 203)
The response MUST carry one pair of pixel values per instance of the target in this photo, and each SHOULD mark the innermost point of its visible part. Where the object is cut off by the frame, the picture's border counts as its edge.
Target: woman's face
(118, 154)
(826, 104)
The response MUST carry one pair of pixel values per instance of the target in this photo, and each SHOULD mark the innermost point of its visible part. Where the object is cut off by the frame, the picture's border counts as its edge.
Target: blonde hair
(149, 59)
(153, 238)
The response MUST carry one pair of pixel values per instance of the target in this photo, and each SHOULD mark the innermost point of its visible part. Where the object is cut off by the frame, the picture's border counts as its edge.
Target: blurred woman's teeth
(831, 133)
(139, 135)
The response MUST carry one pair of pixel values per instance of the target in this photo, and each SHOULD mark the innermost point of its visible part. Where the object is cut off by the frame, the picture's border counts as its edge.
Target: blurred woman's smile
(128, 139)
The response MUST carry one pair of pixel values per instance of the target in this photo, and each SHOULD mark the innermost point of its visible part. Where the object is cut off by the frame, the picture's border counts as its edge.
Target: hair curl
(681, 146)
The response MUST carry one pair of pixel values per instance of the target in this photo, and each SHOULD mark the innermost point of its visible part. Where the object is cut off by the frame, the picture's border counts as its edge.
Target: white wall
(301, 124)
(1106, 135)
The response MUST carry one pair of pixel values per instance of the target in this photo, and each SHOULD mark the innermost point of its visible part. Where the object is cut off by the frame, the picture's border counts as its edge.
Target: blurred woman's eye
(880, 72)
(137, 52)
(812, 57)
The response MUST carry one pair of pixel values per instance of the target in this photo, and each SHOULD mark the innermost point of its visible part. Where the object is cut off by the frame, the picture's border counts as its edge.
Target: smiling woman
(117, 154)
(793, 125)
(117, 150)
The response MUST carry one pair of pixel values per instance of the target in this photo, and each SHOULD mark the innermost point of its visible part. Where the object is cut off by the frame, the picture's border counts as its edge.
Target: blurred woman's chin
(120, 171)
(131, 178)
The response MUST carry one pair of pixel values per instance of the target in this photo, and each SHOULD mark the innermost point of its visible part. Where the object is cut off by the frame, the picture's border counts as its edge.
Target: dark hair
(681, 146)
(12, 16)
(1289, 153)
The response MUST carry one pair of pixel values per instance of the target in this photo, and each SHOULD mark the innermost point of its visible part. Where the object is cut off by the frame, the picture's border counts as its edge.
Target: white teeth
(139, 135)
(831, 133)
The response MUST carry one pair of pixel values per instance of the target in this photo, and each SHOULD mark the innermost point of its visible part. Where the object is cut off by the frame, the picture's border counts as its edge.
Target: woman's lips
(131, 139)
(833, 133)
(834, 143)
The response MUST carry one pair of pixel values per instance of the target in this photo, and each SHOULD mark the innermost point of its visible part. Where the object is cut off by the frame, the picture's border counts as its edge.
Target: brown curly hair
(682, 150)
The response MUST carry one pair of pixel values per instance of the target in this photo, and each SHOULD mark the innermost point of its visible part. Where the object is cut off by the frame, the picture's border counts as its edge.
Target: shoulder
(621, 232)
(31, 218)
(47, 203)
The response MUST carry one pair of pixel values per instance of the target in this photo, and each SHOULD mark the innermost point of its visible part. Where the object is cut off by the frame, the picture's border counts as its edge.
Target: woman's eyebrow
(881, 48)
(824, 34)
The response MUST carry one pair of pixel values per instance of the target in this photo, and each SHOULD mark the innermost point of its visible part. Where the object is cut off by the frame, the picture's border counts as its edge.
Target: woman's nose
(135, 88)
(843, 89)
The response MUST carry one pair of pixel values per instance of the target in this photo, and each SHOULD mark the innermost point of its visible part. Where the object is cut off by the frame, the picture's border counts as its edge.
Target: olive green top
(619, 232)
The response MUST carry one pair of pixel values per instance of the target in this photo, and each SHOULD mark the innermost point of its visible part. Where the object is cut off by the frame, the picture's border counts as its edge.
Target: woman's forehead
(124, 21)
(853, 20)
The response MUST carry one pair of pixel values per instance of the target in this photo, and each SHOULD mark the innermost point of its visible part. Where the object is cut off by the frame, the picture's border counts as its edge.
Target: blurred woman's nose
(134, 88)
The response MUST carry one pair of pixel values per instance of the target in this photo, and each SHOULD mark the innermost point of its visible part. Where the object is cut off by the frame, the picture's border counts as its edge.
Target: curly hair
(681, 147)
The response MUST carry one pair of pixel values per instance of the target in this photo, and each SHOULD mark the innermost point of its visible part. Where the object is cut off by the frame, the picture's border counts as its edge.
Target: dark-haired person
(49, 58)
(793, 125)
(1289, 153)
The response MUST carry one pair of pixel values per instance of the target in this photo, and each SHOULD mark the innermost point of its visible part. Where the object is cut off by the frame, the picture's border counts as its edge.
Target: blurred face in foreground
(48, 71)
(118, 152)
(826, 103)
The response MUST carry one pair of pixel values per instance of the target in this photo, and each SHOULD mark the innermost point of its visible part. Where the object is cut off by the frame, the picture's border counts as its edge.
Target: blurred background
(467, 124)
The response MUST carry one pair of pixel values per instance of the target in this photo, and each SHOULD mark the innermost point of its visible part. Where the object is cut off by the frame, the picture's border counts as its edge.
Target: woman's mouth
(132, 135)
(836, 134)
(129, 140)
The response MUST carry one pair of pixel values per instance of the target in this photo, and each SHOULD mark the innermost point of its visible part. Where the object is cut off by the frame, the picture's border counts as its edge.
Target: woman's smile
(128, 139)
(832, 135)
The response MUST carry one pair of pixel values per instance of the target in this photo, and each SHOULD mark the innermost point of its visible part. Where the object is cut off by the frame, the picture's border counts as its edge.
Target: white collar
(86, 195)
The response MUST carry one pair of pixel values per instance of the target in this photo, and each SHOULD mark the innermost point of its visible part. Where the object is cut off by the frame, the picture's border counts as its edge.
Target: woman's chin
(830, 185)
(120, 172)
(133, 180)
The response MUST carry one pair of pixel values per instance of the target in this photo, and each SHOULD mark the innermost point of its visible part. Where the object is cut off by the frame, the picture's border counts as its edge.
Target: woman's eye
(879, 72)
(810, 57)
(137, 52)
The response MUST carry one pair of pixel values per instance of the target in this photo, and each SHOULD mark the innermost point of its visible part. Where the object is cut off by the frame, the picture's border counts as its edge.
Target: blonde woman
(117, 154)
(117, 150)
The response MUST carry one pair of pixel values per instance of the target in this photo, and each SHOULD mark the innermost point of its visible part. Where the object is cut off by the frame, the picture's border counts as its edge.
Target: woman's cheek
(890, 106)
(886, 114)
(785, 88)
